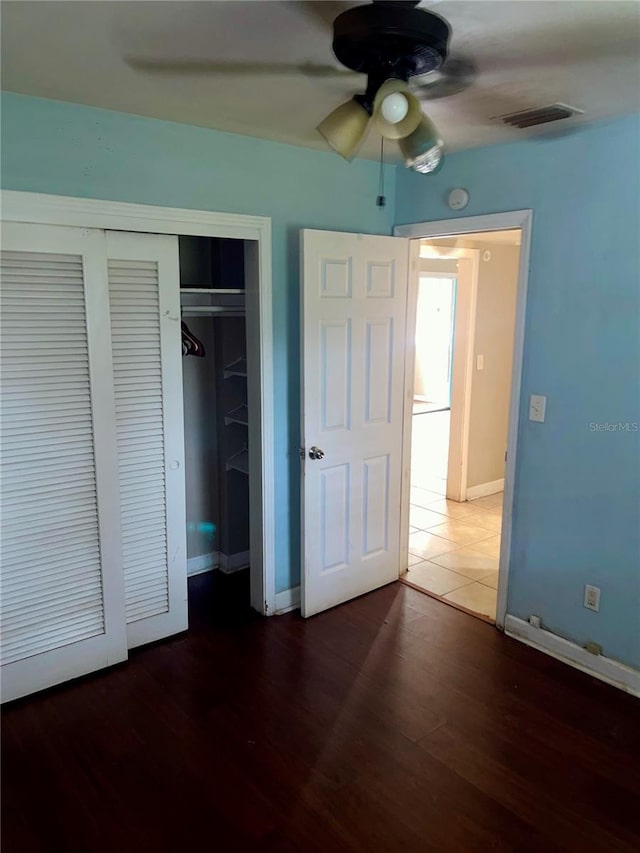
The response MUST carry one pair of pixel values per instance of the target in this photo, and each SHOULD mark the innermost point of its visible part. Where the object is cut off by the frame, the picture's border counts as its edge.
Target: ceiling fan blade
(205, 66)
(323, 11)
(456, 75)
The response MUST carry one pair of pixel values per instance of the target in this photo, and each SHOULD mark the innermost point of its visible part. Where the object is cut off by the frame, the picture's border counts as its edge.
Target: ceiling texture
(528, 54)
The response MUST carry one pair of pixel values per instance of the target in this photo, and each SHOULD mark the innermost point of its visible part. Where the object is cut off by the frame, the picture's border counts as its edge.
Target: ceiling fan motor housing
(390, 39)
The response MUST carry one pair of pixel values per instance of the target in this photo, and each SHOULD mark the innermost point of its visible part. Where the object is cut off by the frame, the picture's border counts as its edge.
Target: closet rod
(195, 310)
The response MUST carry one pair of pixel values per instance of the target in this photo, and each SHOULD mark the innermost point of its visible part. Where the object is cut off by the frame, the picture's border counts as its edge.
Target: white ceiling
(583, 53)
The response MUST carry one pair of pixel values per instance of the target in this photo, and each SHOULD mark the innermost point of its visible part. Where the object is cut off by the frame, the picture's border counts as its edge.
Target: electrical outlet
(592, 597)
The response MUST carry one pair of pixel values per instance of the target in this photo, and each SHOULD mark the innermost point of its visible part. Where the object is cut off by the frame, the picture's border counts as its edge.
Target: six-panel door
(353, 327)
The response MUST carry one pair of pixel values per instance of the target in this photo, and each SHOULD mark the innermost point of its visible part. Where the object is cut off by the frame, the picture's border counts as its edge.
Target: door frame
(45, 209)
(462, 226)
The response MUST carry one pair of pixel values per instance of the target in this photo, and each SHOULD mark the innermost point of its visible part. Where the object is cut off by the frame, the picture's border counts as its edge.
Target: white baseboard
(287, 600)
(598, 666)
(485, 489)
(234, 562)
(203, 563)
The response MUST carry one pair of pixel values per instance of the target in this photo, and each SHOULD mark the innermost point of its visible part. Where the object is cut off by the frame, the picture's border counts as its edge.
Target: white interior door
(62, 584)
(353, 339)
(147, 375)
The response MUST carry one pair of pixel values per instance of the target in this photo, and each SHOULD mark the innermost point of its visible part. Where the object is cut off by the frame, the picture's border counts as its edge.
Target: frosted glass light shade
(412, 118)
(345, 128)
(423, 150)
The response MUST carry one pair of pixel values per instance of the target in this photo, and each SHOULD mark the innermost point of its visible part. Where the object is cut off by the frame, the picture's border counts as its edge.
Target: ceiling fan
(402, 50)
(395, 44)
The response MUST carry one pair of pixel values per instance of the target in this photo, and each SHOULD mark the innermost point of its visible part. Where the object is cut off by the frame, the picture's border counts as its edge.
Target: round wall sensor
(458, 199)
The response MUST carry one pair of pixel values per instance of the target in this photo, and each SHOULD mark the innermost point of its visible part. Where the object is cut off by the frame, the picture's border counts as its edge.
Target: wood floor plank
(390, 723)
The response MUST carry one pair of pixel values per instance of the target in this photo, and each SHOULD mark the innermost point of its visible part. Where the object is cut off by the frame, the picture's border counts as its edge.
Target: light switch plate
(479, 362)
(537, 408)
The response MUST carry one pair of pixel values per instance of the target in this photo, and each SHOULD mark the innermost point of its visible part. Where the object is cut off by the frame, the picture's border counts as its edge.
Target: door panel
(353, 322)
(145, 334)
(62, 590)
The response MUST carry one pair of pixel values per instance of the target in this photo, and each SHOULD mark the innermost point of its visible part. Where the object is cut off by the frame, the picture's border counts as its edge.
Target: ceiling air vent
(540, 115)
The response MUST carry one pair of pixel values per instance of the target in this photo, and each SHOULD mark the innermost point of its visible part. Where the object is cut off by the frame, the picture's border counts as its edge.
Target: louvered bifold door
(147, 363)
(61, 574)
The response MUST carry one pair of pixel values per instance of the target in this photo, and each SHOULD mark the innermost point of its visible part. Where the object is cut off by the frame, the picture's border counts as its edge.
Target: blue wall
(577, 495)
(577, 508)
(66, 149)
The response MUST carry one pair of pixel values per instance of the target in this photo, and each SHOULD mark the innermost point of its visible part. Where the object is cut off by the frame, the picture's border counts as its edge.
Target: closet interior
(216, 406)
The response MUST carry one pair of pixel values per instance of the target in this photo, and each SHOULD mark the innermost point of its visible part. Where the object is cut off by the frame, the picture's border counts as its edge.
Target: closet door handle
(174, 465)
(316, 453)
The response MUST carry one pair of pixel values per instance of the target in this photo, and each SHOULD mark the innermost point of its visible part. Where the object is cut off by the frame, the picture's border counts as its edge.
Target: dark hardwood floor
(391, 723)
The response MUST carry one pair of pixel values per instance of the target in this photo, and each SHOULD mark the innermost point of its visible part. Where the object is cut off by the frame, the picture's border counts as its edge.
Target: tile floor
(453, 547)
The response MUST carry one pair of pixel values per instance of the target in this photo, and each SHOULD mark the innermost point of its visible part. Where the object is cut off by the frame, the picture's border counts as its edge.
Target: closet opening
(218, 416)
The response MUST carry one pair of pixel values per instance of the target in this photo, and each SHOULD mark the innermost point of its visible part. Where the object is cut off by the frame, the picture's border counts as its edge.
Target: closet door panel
(61, 574)
(146, 345)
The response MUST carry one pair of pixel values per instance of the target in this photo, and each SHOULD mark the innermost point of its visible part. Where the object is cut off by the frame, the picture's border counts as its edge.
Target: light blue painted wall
(66, 149)
(577, 504)
(577, 512)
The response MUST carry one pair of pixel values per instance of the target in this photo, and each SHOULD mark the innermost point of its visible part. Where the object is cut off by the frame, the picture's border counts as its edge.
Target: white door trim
(46, 209)
(468, 225)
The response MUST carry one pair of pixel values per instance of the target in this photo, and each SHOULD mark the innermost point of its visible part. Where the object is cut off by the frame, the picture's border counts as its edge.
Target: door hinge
(302, 453)
(505, 456)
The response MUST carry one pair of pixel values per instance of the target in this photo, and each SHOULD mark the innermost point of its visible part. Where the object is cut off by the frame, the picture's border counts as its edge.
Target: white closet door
(147, 368)
(62, 585)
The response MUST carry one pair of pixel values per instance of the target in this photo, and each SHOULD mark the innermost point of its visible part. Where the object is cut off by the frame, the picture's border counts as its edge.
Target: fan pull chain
(381, 200)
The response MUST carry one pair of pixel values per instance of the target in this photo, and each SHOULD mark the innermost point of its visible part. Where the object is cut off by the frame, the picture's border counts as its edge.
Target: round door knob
(316, 453)
(174, 465)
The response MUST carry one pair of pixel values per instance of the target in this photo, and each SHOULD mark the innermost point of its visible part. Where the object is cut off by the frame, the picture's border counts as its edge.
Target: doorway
(465, 302)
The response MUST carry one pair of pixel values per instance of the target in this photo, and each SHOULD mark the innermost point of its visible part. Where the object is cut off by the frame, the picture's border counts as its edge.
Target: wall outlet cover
(537, 408)
(592, 597)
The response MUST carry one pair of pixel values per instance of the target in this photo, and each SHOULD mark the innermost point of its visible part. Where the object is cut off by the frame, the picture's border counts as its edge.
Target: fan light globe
(423, 150)
(394, 107)
(396, 112)
(345, 128)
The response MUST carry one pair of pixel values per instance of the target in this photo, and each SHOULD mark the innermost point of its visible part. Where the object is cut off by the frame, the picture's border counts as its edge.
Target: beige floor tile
(468, 561)
(425, 545)
(489, 546)
(423, 518)
(489, 520)
(430, 484)
(476, 597)
(491, 502)
(490, 580)
(459, 531)
(422, 497)
(414, 558)
(435, 579)
(453, 509)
